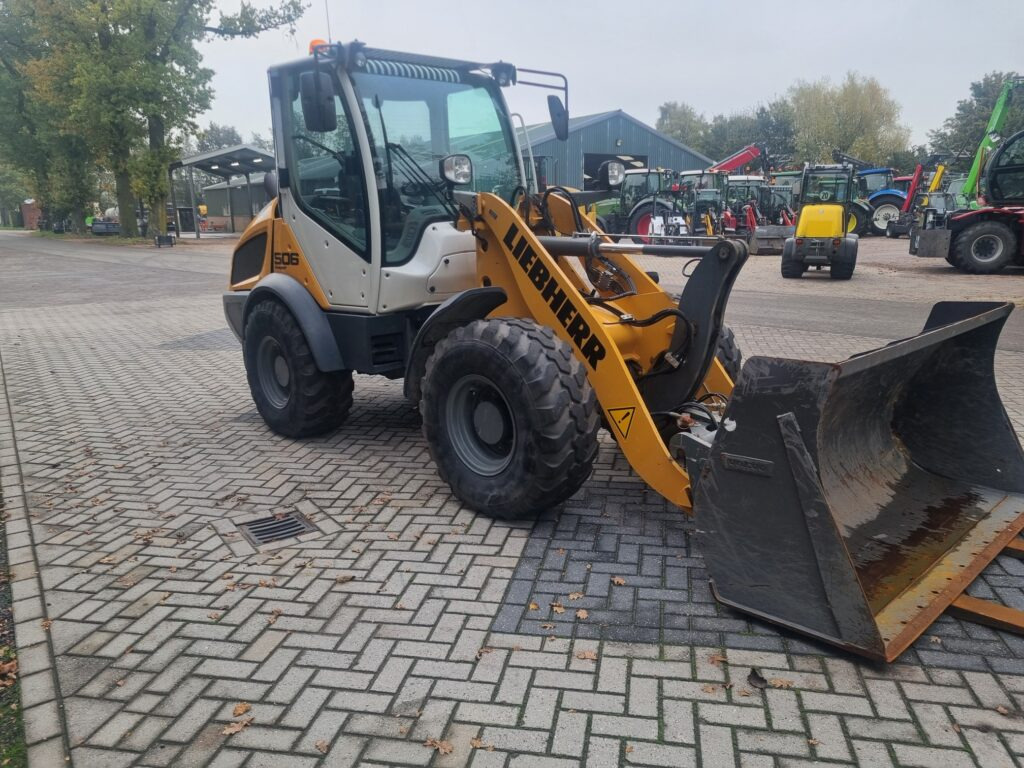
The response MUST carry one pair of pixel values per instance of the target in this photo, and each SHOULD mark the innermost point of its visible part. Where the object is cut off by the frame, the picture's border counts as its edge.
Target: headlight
(457, 169)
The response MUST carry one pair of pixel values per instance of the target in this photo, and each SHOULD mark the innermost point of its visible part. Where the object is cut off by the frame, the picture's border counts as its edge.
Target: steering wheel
(824, 195)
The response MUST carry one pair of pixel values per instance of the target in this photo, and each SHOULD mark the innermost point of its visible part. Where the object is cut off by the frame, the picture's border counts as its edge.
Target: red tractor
(985, 239)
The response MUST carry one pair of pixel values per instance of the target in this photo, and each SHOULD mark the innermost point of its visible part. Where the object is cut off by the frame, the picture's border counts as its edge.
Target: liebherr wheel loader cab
(852, 502)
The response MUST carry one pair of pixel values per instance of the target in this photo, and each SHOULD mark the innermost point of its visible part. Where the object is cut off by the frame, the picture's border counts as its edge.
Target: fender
(663, 202)
(886, 192)
(307, 313)
(462, 308)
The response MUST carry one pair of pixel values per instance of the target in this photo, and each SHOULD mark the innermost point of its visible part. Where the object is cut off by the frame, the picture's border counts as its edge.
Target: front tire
(984, 248)
(509, 416)
(294, 397)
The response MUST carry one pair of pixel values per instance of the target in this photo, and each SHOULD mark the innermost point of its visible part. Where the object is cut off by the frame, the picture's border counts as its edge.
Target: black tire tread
(564, 417)
(323, 400)
(729, 353)
(960, 250)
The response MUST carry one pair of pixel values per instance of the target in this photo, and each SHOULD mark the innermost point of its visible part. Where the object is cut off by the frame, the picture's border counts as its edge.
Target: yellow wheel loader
(823, 200)
(852, 502)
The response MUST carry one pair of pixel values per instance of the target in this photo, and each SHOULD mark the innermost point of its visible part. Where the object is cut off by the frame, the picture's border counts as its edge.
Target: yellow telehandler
(853, 502)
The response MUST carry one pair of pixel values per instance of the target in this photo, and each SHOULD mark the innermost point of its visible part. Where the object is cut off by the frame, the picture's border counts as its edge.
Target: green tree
(682, 122)
(13, 192)
(126, 74)
(728, 133)
(964, 130)
(217, 137)
(857, 116)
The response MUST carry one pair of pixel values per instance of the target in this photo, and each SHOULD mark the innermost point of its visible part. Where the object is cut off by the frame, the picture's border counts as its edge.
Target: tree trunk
(125, 203)
(158, 204)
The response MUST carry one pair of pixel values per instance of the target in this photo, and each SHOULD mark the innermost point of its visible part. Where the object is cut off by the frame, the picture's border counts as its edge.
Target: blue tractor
(877, 187)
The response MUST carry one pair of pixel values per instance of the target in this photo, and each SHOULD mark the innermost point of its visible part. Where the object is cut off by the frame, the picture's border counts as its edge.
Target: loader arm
(548, 289)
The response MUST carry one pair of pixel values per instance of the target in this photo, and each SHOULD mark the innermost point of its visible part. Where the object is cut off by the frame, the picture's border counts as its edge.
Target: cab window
(327, 173)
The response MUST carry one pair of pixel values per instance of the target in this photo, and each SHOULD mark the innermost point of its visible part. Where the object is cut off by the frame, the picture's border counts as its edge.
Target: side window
(327, 174)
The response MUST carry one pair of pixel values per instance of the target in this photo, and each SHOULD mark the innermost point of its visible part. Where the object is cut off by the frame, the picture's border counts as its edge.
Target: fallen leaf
(780, 682)
(480, 744)
(813, 742)
(935, 639)
(8, 673)
(108, 559)
(534, 607)
(237, 727)
(241, 708)
(575, 595)
(273, 582)
(956, 727)
(587, 655)
(322, 746)
(480, 652)
(547, 626)
(756, 680)
(582, 614)
(709, 688)
(393, 536)
(745, 692)
(273, 615)
(214, 616)
(628, 749)
(558, 608)
(561, 550)
(46, 624)
(717, 659)
(1002, 710)
(441, 746)
(173, 569)
(618, 581)
(119, 683)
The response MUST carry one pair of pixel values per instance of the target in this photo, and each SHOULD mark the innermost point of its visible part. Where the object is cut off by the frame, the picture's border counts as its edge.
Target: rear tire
(509, 416)
(792, 267)
(842, 267)
(641, 218)
(885, 208)
(294, 397)
(984, 248)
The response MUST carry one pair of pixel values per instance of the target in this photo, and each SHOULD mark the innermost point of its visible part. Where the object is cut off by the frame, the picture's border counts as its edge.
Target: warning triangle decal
(622, 418)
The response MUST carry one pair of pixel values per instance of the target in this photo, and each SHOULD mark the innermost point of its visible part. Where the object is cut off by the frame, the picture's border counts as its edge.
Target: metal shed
(606, 136)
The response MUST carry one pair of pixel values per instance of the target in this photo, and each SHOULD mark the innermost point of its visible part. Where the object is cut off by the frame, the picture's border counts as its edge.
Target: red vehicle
(990, 237)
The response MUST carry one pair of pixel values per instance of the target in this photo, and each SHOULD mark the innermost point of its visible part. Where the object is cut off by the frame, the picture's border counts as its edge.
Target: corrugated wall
(565, 166)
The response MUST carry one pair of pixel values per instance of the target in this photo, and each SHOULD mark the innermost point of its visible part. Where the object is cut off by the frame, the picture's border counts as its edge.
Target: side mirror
(270, 184)
(610, 175)
(316, 90)
(559, 117)
(457, 170)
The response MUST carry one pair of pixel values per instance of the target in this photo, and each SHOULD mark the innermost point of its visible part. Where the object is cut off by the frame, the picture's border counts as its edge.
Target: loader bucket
(769, 239)
(855, 501)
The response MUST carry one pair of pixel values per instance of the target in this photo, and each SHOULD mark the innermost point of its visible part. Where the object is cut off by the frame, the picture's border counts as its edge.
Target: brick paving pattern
(130, 452)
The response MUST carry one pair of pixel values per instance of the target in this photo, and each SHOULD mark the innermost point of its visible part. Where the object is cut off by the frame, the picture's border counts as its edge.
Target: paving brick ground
(130, 452)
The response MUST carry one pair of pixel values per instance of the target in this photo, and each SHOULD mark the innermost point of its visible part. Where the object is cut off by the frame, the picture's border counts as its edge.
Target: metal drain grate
(275, 528)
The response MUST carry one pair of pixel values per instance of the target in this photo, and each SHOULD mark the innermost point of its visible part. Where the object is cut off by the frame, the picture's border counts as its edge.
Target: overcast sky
(719, 57)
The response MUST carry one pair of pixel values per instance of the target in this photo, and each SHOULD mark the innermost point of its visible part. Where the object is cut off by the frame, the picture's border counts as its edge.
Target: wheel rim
(987, 248)
(275, 374)
(883, 214)
(643, 227)
(852, 224)
(480, 424)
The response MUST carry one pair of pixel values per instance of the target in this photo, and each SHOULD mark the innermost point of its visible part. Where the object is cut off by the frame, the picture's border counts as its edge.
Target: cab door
(325, 201)
(1005, 177)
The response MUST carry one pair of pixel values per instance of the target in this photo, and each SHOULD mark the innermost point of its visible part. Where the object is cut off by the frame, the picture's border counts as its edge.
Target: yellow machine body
(820, 221)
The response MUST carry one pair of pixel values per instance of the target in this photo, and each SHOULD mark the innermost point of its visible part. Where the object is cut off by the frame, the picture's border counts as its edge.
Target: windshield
(637, 186)
(873, 182)
(413, 124)
(825, 188)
